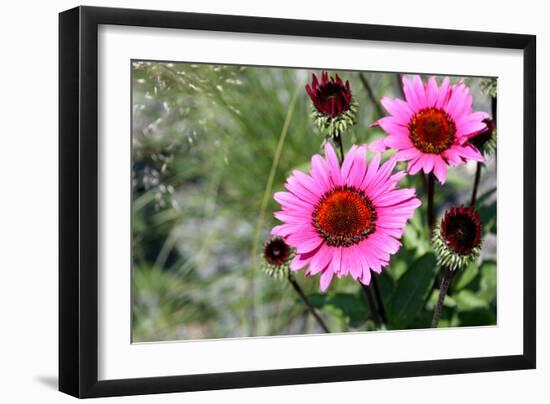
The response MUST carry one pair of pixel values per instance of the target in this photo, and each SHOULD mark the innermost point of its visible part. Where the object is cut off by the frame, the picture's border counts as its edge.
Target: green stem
(445, 283)
(431, 213)
(372, 305)
(308, 304)
(476, 183)
(379, 301)
(372, 97)
(337, 137)
(480, 164)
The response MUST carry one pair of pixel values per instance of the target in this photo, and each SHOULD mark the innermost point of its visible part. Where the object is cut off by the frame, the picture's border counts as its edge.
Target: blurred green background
(203, 142)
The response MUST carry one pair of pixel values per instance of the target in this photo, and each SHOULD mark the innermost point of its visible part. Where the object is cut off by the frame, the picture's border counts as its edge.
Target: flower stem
(445, 283)
(476, 183)
(431, 213)
(379, 300)
(337, 137)
(308, 304)
(372, 97)
(372, 304)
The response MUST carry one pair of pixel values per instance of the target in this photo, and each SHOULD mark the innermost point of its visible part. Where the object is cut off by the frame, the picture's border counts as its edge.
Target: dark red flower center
(432, 131)
(461, 230)
(330, 96)
(344, 216)
(276, 251)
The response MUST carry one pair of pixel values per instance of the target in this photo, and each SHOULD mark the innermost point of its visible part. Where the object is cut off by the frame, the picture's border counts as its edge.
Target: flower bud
(277, 255)
(457, 240)
(334, 109)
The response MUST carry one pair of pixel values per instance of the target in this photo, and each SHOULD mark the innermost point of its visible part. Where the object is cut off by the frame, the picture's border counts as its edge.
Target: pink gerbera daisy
(432, 127)
(344, 220)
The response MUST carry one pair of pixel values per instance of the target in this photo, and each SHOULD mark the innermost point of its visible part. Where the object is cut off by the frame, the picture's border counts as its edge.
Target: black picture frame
(78, 201)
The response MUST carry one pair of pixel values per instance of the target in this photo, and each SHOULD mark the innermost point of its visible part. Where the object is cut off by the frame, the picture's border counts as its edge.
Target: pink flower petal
(411, 96)
(452, 156)
(335, 264)
(431, 92)
(443, 95)
(372, 169)
(285, 229)
(319, 172)
(289, 201)
(399, 109)
(387, 244)
(378, 146)
(471, 124)
(415, 165)
(394, 197)
(428, 163)
(357, 172)
(295, 216)
(378, 185)
(355, 262)
(398, 142)
(306, 181)
(440, 170)
(326, 278)
(294, 185)
(298, 263)
(393, 127)
(365, 278)
(304, 242)
(418, 89)
(469, 152)
(321, 260)
(459, 102)
(348, 163)
(407, 154)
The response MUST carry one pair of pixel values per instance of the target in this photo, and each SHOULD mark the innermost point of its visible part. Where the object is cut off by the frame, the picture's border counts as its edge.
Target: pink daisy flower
(432, 127)
(344, 220)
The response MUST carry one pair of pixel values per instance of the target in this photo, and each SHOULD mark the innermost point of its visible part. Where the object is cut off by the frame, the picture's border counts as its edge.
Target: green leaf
(455, 179)
(476, 308)
(464, 277)
(387, 286)
(410, 237)
(412, 290)
(344, 305)
(488, 216)
(318, 300)
(400, 262)
(485, 196)
(488, 283)
(468, 300)
(448, 302)
(415, 237)
(477, 317)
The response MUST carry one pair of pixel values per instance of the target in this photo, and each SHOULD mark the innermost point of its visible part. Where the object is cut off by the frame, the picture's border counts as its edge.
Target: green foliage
(349, 307)
(488, 216)
(472, 299)
(488, 281)
(465, 276)
(412, 291)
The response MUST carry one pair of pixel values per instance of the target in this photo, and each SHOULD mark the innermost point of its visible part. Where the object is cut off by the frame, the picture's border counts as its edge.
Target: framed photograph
(253, 202)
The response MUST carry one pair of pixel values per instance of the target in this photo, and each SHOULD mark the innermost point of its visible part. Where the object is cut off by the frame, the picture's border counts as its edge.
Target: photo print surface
(286, 201)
